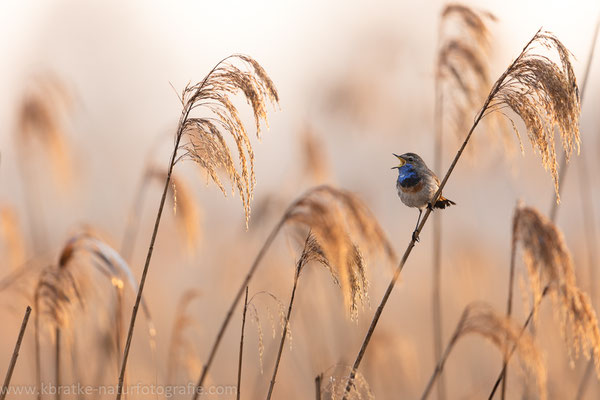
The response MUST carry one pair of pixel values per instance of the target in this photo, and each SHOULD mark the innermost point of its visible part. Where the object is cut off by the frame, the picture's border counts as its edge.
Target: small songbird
(417, 185)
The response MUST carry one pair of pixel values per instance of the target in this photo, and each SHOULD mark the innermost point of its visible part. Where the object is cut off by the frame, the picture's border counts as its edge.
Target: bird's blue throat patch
(407, 176)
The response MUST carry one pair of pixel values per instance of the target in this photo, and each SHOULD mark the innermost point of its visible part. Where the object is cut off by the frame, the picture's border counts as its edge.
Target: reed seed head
(342, 225)
(204, 136)
(544, 94)
(549, 264)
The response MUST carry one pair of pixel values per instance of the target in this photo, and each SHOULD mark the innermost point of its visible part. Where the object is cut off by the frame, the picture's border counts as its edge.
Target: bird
(417, 186)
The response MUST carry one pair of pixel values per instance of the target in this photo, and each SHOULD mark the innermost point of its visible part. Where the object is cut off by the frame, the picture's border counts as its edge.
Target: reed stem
(285, 330)
(15, 355)
(239, 377)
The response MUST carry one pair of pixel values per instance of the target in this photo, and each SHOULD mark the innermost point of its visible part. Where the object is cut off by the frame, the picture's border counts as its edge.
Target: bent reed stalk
(15, 355)
(540, 75)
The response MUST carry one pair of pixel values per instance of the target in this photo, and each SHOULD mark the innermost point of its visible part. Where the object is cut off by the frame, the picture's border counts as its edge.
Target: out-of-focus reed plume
(505, 334)
(185, 207)
(549, 263)
(13, 244)
(204, 140)
(462, 68)
(43, 111)
(183, 351)
(545, 96)
(314, 157)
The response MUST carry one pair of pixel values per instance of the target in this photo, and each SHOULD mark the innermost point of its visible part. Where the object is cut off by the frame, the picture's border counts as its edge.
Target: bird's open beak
(402, 161)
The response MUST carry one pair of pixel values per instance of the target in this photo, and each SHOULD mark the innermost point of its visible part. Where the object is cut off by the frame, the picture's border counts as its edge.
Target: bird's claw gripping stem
(429, 206)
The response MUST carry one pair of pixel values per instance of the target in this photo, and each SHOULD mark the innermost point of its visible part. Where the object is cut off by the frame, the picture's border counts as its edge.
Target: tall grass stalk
(318, 380)
(507, 92)
(239, 376)
(15, 355)
(437, 241)
(285, 331)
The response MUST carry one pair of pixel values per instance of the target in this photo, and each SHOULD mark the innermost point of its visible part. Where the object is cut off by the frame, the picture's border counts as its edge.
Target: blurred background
(356, 77)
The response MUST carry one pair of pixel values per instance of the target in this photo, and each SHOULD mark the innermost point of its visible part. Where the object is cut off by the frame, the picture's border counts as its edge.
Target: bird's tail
(443, 203)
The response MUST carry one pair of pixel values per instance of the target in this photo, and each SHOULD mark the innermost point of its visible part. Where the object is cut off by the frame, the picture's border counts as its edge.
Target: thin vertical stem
(138, 298)
(15, 355)
(285, 330)
(133, 220)
(436, 301)
(511, 278)
(57, 363)
(239, 377)
(318, 380)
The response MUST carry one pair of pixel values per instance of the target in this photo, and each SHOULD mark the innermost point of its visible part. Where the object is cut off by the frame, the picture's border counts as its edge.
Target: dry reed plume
(333, 383)
(462, 64)
(42, 116)
(314, 159)
(549, 263)
(505, 334)
(205, 141)
(205, 144)
(540, 92)
(343, 227)
(545, 96)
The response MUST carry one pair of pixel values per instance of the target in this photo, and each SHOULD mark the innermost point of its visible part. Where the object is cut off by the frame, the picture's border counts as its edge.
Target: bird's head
(408, 158)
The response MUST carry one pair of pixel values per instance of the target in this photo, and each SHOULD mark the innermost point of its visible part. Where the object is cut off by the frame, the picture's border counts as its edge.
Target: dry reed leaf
(549, 263)
(334, 383)
(342, 224)
(463, 62)
(182, 348)
(44, 107)
(505, 334)
(185, 207)
(545, 96)
(205, 135)
(12, 237)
